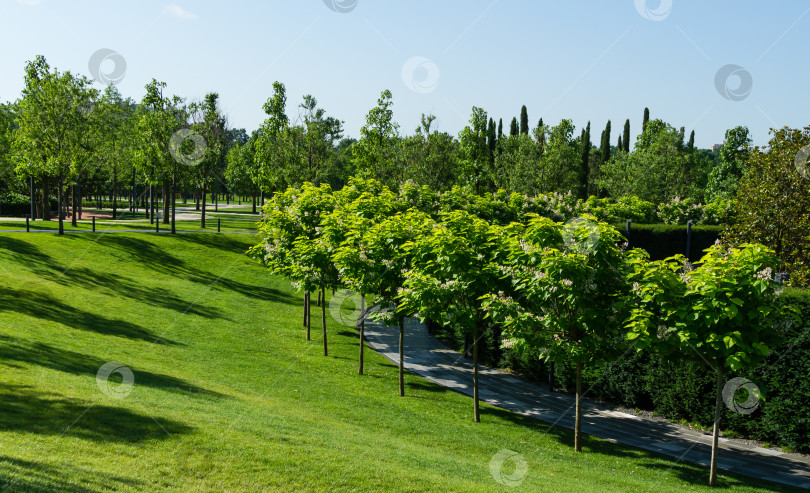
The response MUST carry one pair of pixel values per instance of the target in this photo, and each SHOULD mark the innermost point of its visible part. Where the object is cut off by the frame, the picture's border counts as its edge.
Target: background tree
(605, 148)
(724, 178)
(773, 200)
(524, 121)
(585, 188)
(473, 152)
(375, 154)
(430, 157)
(646, 118)
(626, 136)
(513, 128)
(115, 129)
(560, 163)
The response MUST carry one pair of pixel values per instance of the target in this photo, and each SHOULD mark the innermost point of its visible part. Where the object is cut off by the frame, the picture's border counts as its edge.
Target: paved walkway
(426, 356)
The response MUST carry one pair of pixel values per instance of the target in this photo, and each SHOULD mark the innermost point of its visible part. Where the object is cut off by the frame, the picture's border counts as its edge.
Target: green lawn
(228, 395)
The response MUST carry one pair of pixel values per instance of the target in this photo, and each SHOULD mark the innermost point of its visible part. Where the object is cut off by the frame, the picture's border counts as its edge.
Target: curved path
(426, 356)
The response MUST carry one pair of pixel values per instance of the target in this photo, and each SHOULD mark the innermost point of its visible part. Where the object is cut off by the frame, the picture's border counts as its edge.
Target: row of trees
(64, 134)
(69, 137)
(565, 292)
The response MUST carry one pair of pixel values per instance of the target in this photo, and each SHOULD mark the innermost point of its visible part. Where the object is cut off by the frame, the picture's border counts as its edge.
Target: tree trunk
(60, 212)
(401, 355)
(115, 191)
(309, 314)
(320, 295)
(362, 329)
(323, 321)
(476, 412)
(197, 199)
(174, 206)
(578, 418)
(718, 409)
(73, 205)
(254, 204)
(46, 202)
(168, 194)
(202, 215)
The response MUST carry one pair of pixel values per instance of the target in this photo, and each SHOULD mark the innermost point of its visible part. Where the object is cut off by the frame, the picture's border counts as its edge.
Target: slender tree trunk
(46, 202)
(362, 329)
(476, 412)
(202, 215)
(578, 418)
(401, 355)
(718, 409)
(309, 314)
(174, 206)
(320, 295)
(60, 211)
(73, 205)
(168, 194)
(254, 203)
(197, 199)
(323, 321)
(115, 191)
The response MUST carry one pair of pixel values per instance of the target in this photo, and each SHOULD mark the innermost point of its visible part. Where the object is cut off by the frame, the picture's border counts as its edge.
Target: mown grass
(228, 395)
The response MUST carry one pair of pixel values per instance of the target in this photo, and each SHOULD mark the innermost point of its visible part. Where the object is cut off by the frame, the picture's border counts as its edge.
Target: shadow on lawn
(43, 306)
(22, 475)
(25, 410)
(14, 350)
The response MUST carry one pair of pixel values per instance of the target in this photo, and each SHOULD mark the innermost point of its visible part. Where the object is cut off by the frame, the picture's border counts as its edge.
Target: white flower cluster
(567, 283)
(765, 274)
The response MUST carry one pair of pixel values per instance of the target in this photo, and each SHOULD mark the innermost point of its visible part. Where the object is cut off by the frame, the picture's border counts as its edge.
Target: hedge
(664, 240)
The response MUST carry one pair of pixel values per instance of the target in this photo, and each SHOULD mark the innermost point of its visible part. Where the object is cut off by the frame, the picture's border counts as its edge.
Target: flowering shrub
(679, 211)
(720, 212)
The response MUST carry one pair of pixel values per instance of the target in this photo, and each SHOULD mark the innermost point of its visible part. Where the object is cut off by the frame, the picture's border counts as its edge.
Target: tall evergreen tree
(620, 145)
(626, 139)
(524, 120)
(500, 128)
(605, 151)
(513, 129)
(691, 144)
(646, 118)
(491, 138)
(540, 135)
(586, 155)
(680, 138)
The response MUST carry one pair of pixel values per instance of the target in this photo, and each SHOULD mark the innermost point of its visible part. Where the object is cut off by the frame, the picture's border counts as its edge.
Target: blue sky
(579, 60)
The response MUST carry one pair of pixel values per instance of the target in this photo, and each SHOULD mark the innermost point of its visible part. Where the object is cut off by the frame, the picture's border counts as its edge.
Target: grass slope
(229, 396)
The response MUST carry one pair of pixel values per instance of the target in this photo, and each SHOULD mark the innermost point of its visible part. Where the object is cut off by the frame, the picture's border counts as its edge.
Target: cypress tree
(606, 143)
(586, 154)
(513, 129)
(691, 144)
(620, 145)
(524, 120)
(500, 128)
(680, 138)
(646, 118)
(541, 136)
(626, 140)
(491, 136)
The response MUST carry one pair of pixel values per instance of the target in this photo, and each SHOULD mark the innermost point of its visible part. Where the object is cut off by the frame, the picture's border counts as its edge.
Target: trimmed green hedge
(665, 240)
